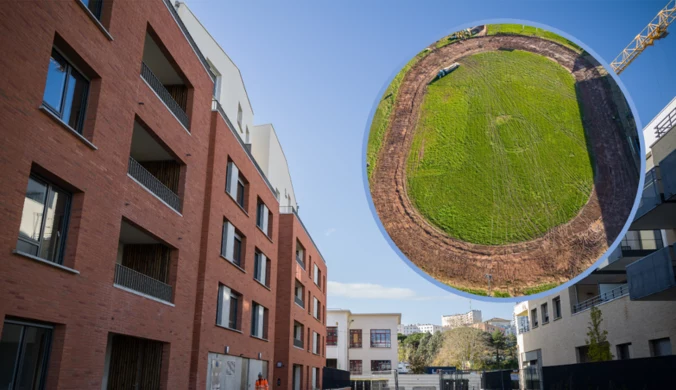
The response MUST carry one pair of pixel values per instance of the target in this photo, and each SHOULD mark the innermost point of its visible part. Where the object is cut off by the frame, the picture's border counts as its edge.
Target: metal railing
(666, 124)
(153, 184)
(298, 343)
(615, 293)
(166, 97)
(300, 261)
(300, 302)
(134, 280)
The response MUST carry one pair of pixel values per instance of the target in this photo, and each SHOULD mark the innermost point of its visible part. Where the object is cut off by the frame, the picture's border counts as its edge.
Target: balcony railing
(127, 277)
(666, 124)
(615, 293)
(299, 301)
(166, 97)
(652, 192)
(153, 184)
(652, 274)
(300, 261)
(298, 343)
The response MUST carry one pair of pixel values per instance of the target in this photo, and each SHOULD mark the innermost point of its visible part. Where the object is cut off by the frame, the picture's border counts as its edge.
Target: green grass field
(493, 29)
(499, 154)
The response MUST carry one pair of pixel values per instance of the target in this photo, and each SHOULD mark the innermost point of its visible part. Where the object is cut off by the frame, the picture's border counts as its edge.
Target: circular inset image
(503, 160)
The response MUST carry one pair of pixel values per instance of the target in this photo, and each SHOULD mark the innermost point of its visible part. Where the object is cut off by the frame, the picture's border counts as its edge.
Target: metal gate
(531, 378)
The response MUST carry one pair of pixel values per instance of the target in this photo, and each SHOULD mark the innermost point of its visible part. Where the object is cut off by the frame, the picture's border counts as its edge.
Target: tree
(597, 339)
(498, 343)
(511, 351)
(416, 361)
(464, 348)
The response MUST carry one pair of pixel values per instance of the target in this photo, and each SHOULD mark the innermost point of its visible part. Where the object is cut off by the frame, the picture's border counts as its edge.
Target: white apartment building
(635, 288)
(364, 343)
(458, 320)
(231, 98)
(410, 329)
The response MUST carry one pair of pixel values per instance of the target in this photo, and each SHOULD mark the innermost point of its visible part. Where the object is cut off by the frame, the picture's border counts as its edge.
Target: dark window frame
(331, 335)
(378, 365)
(237, 297)
(359, 342)
(51, 187)
(266, 264)
(59, 112)
(381, 338)
(544, 311)
(237, 249)
(20, 353)
(556, 307)
(356, 367)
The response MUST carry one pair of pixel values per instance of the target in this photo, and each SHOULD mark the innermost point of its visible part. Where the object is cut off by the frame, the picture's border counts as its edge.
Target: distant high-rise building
(458, 320)
(410, 329)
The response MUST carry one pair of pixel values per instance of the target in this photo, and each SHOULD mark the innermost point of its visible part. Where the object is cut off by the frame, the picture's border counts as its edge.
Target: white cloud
(330, 231)
(376, 291)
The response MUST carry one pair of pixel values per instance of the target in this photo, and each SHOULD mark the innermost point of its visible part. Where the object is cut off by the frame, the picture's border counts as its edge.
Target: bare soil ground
(563, 252)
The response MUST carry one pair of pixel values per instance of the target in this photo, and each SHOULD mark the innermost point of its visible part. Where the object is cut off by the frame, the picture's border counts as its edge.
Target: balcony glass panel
(652, 274)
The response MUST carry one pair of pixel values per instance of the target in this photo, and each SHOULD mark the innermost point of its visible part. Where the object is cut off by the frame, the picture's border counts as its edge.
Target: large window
(642, 240)
(299, 294)
(545, 313)
(331, 335)
(556, 302)
(316, 308)
(355, 338)
(317, 277)
(355, 367)
(262, 268)
(380, 338)
(660, 347)
(44, 220)
(228, 308)
(298, 334)
(534, 318)
(232, 244)
(235, 184)
(259, 321)
(315, 343)
(381, 365)
(24, 350)
(95, 6)
(263, 217)
(300, 254)
(65, 92)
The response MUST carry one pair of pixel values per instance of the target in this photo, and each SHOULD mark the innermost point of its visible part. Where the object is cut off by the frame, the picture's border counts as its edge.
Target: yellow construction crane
(656, 29)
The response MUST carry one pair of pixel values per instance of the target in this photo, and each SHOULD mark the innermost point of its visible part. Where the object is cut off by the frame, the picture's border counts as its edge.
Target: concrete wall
(268, 152)
(626, 322)
(649, 129)
(341, 320)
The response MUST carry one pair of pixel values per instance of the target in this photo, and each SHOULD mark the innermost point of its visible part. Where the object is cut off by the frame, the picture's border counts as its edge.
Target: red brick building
(141, 242)
(300, 342)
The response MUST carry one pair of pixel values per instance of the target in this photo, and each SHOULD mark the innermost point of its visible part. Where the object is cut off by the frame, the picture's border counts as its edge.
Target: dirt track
(559, 255)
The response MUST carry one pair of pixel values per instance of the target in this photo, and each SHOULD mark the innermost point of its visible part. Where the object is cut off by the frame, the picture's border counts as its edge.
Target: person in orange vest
(262, 383)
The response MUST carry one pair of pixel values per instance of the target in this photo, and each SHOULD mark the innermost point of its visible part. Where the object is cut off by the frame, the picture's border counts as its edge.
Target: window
(232, 244)
(309, 299)
(247, 136)
(534, 318)
(660, 347)
(315, 343)
(262, 218)
(315, 307)
(623, 351)
(299, 294)
(297, 334)
(235, 184)
(315, 378)
(259, 321)
(44, 220)
(317, 277)
(262, 268)
(332, 363)
(228, 310)
(355, 338)
(331, 335)
(355, 367)
(556, 302)
(300, 254)
(239, 116)
(24, 351)
(583, 354)
(95, 6)
(545, 313)
(381, 365)
(65, 92)
(380, 338)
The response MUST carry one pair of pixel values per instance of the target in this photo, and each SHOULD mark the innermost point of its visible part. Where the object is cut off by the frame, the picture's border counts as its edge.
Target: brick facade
(79, 299)
(289, 270)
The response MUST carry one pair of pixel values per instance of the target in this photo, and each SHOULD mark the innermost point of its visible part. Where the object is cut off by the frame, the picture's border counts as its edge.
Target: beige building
(635, 288)
(458, 320)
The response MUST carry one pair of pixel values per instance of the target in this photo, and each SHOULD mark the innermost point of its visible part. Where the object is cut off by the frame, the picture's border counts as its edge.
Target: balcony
(604, 297)
(652, 278)
(143, 264)
(657, 209)
(634, 246)
(153, 167)
(165, 80)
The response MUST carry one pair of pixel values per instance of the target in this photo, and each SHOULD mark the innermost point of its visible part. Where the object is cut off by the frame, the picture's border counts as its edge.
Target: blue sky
(315, 69)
